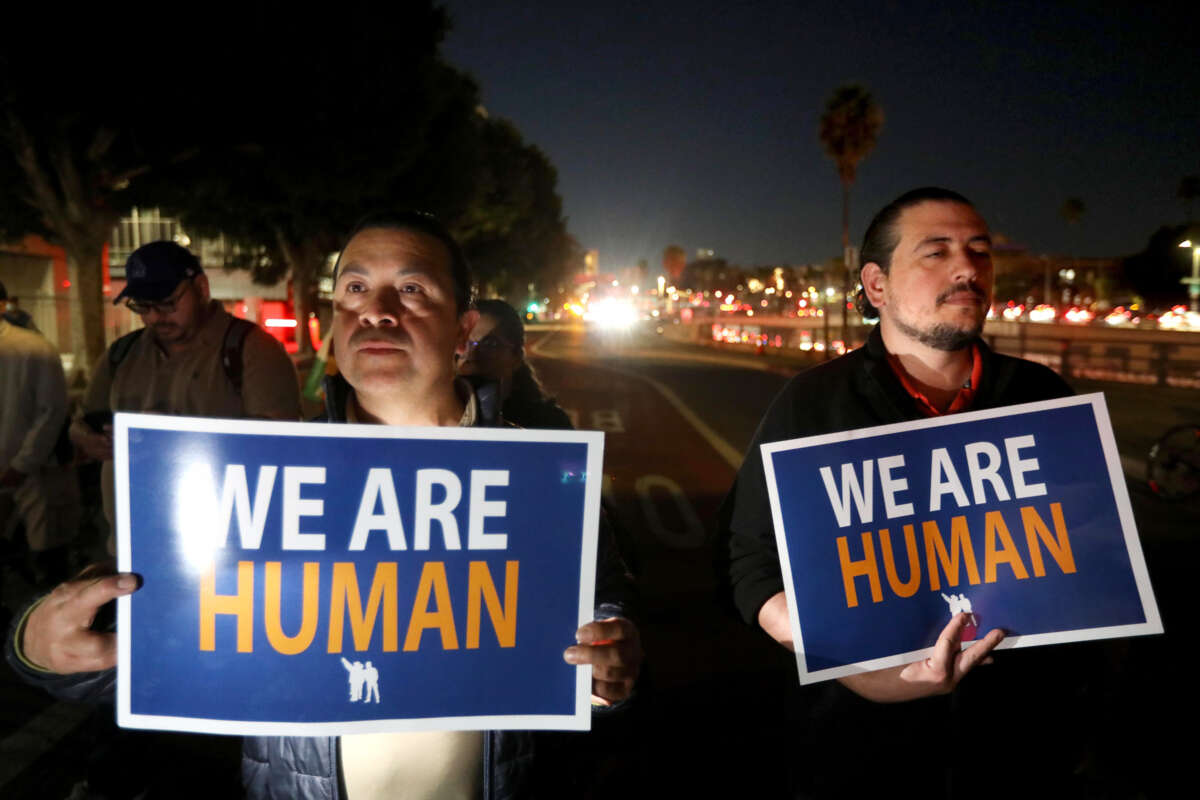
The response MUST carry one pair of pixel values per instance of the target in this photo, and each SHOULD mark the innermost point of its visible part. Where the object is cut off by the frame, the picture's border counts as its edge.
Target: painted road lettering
(691, 534)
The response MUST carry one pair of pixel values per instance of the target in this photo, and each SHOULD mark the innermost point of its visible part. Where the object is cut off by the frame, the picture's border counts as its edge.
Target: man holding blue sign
(401, 312)
(927, 274)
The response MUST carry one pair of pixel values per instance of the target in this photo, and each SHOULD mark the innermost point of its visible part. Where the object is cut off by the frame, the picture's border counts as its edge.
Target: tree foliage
(850, 128)
(305, 140)
(278, 133)
(75, 134)
(513, 230)
(1155, 272)
(1188, 191)
(1072, 210)
(674, 260)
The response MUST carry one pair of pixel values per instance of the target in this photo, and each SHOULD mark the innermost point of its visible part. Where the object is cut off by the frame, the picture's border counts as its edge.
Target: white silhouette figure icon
(952, 601)
(372, 676)
(964, 605)
(959, 603)
(358, 674)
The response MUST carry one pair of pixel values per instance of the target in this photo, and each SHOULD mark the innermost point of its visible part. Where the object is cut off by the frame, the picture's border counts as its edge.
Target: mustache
(961, 287)
(377, 335)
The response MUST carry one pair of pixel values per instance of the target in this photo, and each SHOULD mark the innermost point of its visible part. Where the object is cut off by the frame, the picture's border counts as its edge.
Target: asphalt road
(682, 418)
(678, 420)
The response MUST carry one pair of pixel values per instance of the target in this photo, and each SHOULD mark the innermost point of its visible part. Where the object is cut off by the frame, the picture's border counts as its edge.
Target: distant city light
(613, 314)
(1042, 313)
(1120, 316)
(1078, 316)
(1179, 318)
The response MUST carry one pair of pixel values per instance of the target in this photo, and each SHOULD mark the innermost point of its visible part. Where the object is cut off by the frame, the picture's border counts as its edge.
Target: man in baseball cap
(192, 357)
(155, 270)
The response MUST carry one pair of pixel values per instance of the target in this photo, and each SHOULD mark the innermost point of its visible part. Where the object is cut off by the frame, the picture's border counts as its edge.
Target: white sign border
(579, 720)
(1133, 546)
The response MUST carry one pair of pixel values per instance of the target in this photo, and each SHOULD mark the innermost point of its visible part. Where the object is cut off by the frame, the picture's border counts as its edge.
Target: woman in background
(496, 351)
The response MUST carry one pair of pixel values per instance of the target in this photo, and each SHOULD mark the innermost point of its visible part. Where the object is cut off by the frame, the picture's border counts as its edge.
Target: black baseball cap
(154, 270)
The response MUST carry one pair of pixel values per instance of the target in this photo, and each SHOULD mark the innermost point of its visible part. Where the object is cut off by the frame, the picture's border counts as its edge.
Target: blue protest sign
(1017, 516)
(306, 579)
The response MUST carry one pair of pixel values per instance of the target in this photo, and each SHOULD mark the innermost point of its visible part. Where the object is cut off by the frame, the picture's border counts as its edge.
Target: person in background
(33, 409)
(11, 311)
(496, 352)
(191, 358)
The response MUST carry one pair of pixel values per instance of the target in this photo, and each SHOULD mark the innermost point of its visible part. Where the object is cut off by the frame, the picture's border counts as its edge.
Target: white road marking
(723, 448)
(692, 536)
(607, 420)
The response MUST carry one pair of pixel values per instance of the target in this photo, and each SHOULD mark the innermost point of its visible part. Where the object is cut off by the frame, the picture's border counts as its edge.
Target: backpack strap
(120, 348)
(231, 350)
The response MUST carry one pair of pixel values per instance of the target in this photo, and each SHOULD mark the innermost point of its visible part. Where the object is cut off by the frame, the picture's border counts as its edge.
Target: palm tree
(1072, 211)
(849, 129)
(1189, 190)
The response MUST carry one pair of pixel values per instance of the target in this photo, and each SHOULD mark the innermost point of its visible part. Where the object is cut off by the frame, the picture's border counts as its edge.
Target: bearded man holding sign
(927, 274)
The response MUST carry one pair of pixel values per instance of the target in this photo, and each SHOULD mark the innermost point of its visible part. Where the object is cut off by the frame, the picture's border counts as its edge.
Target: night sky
(696, 123)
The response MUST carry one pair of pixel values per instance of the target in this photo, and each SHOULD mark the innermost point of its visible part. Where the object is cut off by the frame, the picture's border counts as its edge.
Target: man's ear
(201, 284)
(466, 324)
(874, 280)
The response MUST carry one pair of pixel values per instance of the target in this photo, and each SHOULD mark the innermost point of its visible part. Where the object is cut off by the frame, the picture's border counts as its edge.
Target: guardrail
(1128, 355)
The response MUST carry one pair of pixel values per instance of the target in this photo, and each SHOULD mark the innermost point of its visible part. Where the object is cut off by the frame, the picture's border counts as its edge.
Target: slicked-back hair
(420, 222)
(883, 235)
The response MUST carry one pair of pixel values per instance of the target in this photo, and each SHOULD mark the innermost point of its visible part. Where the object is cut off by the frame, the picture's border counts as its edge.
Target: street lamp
(1193, 283)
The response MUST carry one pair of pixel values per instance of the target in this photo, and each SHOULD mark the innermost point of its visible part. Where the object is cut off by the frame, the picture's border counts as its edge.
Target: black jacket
(848, 746)
(857, 390)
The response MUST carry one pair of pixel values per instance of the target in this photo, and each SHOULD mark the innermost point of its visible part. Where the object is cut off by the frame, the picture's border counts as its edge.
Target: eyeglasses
(489, 344)
(162, 306)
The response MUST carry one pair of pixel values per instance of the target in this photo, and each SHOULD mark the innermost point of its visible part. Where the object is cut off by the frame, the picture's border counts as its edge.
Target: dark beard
(941, 336)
